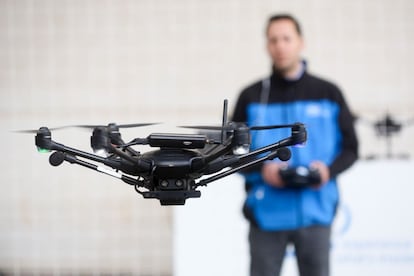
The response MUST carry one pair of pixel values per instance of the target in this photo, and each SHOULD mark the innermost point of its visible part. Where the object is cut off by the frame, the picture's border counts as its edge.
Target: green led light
(41, 150)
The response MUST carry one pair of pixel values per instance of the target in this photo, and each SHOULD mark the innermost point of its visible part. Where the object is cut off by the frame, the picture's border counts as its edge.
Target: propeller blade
(119, 126)
(34, 131)
(86, 126)
(234, 126)
(137, 125)
(269, 127)
(218, 128)
(26, 131)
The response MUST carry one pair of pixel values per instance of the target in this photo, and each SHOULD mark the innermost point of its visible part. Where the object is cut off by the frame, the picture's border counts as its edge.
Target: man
(279, 214)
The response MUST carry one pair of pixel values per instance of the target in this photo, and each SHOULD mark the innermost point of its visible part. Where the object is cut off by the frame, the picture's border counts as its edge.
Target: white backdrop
(372, 233)
(95, 62)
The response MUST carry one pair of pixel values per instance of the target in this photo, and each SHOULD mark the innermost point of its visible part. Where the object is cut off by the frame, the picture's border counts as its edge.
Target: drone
(387, 127)
(180, 163)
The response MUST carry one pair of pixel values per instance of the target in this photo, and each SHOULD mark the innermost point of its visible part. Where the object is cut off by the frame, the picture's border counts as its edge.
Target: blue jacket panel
(281, 208)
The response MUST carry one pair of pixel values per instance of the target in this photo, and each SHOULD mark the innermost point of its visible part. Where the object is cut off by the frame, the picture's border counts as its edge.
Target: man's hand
(323, 171)
(270, 174)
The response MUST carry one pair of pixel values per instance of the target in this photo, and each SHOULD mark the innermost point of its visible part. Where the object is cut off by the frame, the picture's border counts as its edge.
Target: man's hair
(284, 16)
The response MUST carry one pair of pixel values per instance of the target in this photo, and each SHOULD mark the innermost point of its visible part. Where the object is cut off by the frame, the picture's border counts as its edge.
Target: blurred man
(279, 213)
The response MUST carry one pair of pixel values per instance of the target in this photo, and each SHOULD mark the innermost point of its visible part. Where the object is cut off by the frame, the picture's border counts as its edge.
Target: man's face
(284, 45)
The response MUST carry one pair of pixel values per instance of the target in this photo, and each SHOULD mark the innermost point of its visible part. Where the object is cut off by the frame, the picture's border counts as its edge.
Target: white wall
(94, 62)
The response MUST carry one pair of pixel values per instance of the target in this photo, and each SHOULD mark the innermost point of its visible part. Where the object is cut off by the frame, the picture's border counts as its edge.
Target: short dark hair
(284, 16)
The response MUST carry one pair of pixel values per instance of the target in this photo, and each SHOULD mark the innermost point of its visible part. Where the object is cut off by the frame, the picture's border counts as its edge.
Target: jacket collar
(276, 74)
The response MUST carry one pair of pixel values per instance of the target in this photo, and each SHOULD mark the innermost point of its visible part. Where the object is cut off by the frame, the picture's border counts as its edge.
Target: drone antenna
(224, 120)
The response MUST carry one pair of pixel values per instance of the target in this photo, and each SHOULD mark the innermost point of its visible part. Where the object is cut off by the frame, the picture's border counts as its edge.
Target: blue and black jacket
(331, 138)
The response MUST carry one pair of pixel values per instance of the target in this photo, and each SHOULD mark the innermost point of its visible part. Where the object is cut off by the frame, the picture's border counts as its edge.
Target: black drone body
(181, 162)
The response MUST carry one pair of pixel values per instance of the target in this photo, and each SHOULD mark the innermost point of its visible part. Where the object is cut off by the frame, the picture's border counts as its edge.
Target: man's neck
(295, 72)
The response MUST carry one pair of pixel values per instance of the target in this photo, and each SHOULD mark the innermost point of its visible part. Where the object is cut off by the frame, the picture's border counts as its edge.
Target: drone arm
(143, 165)
(127, 148)
(121, 154)
(282, 153)
(52, 145)
(274, 150)
(298, 137)
(281, 144)
(58, 157)
(218, 151)
(127, 163)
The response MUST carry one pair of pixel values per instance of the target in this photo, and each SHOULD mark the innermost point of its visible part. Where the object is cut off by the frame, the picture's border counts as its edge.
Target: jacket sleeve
(239, 113)
(349, 152)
